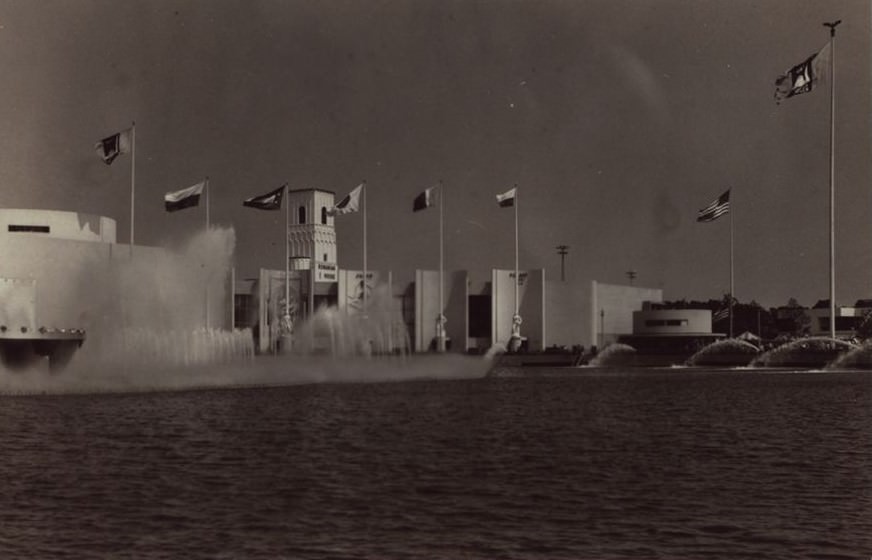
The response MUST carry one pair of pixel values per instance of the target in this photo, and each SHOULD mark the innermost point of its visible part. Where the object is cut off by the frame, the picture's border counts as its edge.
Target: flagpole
(364, 248)
(232, 298)
(832, 27)
(731, 266)
(132, 178)
(287, 255)
(440, 340)
(516, 318)
(206, 188)
(207, 202)
(516, 248)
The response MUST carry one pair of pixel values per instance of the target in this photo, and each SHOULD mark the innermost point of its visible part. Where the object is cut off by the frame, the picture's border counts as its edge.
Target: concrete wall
(612, 307)
(62, 225)
(102, 287)
(567, 312)
(427, 308)
(531, 298)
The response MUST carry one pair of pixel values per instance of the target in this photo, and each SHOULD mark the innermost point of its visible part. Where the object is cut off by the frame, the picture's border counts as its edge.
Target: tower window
(324, 215)
(325, 257)
(301, 214)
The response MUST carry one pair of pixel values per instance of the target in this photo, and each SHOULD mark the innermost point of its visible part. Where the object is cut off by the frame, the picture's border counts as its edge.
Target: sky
(617, 119)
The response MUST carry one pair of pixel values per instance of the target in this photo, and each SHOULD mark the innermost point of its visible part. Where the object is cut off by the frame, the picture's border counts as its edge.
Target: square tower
(311, 234)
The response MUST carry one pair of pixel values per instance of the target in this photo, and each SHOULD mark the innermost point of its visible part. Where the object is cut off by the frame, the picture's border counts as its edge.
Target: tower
(311, 234)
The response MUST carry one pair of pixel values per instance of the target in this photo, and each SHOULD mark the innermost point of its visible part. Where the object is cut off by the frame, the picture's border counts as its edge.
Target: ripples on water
(674, 464)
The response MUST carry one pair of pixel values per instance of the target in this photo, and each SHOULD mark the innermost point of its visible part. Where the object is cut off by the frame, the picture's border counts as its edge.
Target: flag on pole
(423, 200)
(507, 198)
(269, 201)
(803, 77)
(185, 198)
(721, 314)
(113, 146)
(349, 204)
(716, 209)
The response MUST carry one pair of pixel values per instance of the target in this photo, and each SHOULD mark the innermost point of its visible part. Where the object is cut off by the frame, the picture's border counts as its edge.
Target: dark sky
(618, 120)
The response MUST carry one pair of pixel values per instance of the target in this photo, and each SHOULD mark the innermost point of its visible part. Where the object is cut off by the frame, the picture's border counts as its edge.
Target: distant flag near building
(721, 314)
(803, 77)
(349, 204)
(716, 209)
(507, 198)
(423, 200)
(269, 201)
(184, 198)
(113, 146)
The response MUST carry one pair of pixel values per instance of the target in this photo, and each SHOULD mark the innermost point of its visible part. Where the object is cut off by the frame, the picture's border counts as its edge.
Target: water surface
(550, 464)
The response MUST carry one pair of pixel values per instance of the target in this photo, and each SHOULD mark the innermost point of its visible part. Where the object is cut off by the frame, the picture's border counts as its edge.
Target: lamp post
(631, 274)
(562, 250)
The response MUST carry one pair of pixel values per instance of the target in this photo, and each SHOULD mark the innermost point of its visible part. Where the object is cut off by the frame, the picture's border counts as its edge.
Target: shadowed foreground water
(668, 464)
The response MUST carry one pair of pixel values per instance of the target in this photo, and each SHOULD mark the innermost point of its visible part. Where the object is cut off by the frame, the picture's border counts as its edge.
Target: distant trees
(864, 330)
(792, 319)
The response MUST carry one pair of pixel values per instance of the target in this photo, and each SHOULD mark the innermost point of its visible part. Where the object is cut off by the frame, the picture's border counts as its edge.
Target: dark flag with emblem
(185, 198)
(803, 77)
(269, 201)
(113, 146)
(716, 209)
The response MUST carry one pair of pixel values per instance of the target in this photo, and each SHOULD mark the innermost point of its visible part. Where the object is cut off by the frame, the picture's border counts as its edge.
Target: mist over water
(146, 324)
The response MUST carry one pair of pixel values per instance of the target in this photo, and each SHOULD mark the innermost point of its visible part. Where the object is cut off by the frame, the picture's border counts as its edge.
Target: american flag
(716, 209)
(720, 315)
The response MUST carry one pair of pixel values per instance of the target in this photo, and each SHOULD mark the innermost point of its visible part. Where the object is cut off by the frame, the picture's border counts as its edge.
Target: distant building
(670, 335)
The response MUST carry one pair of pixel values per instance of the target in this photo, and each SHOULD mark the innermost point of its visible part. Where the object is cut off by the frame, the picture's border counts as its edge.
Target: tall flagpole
(287, 255)
(516, 338)
(832, 27)
(132, 178)
(731, 265)
(440, 339)
(364, 248)
(207, 202)
(208, 277)
(517, 279)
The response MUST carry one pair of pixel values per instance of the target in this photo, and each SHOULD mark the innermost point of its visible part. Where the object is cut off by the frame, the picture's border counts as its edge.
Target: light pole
(631, 274)
(562, 250)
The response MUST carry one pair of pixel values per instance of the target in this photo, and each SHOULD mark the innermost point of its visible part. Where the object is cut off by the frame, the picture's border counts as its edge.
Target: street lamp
(562, 250)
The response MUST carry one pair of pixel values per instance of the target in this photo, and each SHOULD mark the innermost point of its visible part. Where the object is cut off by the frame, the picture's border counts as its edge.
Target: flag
(113, 146)
(507, 198)
(349, 204)
(269, 201)
(804, 76)
(720, 315)
(423, 200)
(185, 198)
(716, 209)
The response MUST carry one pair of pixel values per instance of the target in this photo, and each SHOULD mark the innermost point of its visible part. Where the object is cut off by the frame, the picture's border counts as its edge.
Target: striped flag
(720, 315)
(185, 198)
(507, 198)
(423, 200)
(349, 204)
(113, 146)
(269, 201)
(716, 209)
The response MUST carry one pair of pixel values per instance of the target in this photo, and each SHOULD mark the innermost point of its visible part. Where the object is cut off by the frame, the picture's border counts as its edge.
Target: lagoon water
(545, 464)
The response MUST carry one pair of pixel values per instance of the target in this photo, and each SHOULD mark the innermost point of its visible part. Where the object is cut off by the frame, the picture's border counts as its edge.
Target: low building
(669, 336)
